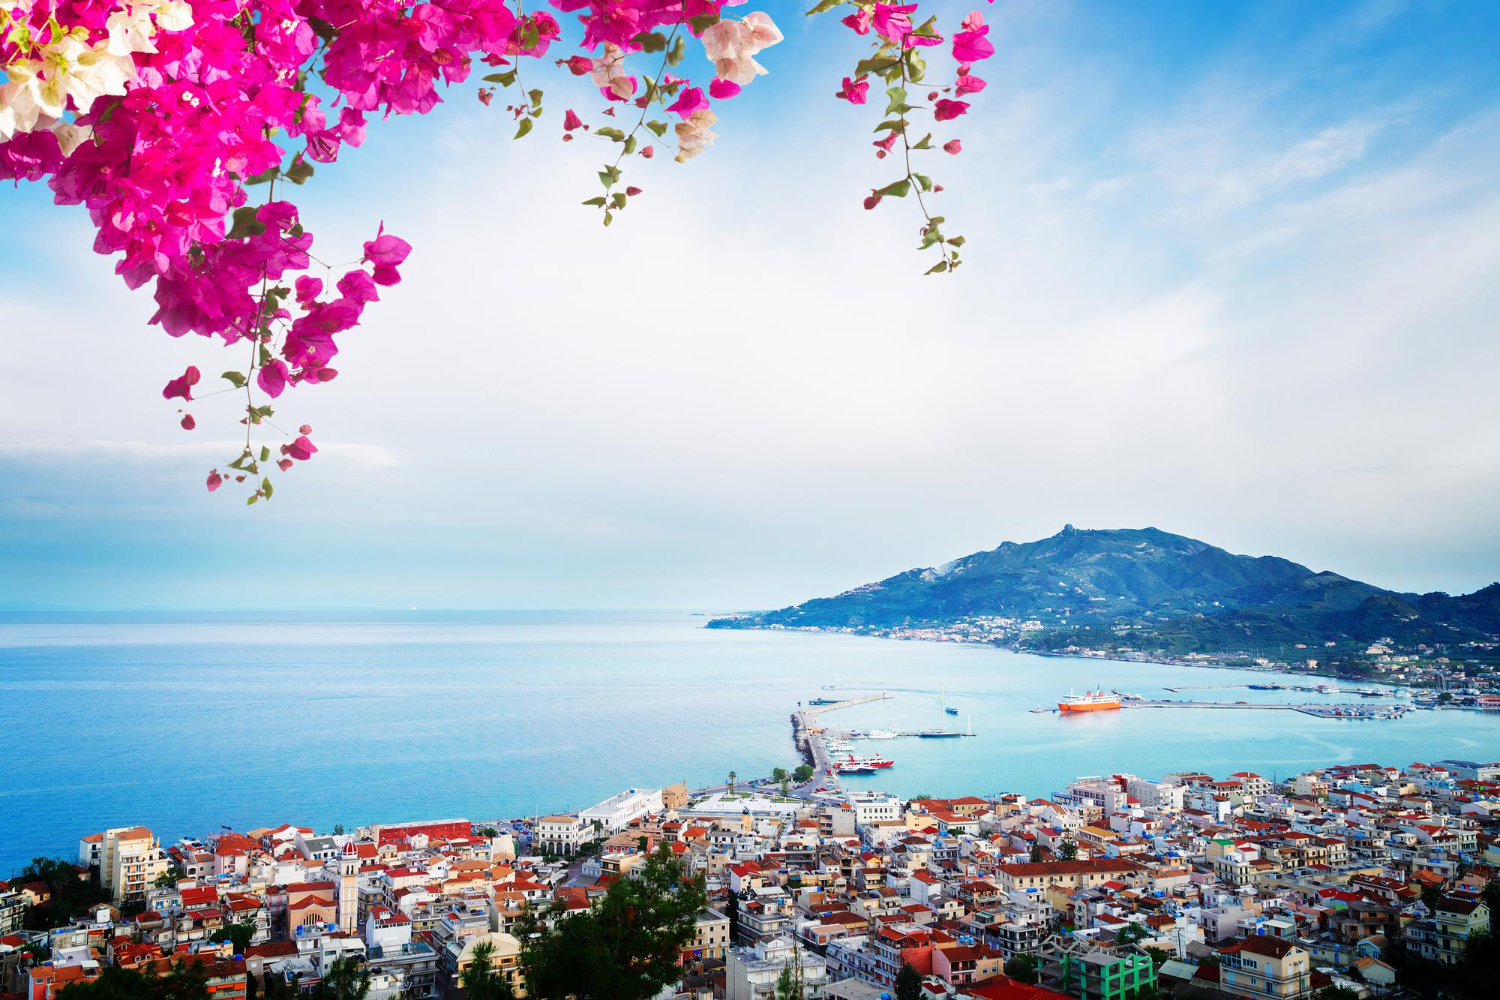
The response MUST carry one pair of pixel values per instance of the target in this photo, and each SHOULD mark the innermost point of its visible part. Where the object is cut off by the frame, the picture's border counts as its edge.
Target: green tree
(1337, 993)
(345, 979)
(169, 878)
(238, 934)
(489, 832)
(1036, 853)
(908, 984)
(1023, 969)
(114, 983)
(730, 782)
(778, 774)
(482, 981)
(803, 772)
(72, 892)
(1068, 849)
(626, 947)
(789, 984)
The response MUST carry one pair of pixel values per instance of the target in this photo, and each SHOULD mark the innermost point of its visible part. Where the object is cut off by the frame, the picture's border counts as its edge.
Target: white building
(874, 807)
(616, 812)
(751, 973)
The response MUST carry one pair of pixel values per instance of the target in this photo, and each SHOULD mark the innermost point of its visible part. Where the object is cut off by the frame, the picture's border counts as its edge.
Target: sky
(1231, 271)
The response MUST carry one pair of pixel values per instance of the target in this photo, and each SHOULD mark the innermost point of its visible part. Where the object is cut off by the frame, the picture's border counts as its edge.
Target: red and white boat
(1089, 701)
(874, 760)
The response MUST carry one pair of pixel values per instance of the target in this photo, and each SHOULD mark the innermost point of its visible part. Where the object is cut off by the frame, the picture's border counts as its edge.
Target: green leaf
(679, 49)
(938, 268)
(596, 202)
(658, 127)
(898, 99)
(245, 224)
(263, 178)
(895, 125)
(235, 379)
(611, 133)
(651, 41)
(609, 175)
(265, 453)
(251, 499)
(524, 127)
(535, 94)
(265, 359)
(916, 66)
(923, 180)
(608, 218)
(630, 145)
(501, 78)
(299, 171)
(530, 35)
(878, 64)
(824, 6)
(617, 200)
(957, 241)
(265, 485)
(703, 22)
(896, 190)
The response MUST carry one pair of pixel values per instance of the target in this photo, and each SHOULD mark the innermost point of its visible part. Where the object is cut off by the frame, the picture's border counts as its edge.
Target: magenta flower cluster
(163, 118)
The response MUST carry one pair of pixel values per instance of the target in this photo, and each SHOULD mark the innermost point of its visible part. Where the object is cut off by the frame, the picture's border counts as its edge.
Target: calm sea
(193, 724)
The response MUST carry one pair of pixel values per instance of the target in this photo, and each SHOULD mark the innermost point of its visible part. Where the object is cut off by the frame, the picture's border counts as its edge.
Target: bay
(189, 723)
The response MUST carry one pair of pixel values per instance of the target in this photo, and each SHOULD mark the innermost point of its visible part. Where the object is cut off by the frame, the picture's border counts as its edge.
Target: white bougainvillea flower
(70, 136)
(695, 134)
(174, 15)
(732, 46)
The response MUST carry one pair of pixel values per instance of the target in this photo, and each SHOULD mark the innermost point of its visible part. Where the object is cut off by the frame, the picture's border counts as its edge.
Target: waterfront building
(617, 811)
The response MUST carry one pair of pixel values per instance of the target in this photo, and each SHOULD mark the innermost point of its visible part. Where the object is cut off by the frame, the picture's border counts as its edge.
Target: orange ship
(1089, 701)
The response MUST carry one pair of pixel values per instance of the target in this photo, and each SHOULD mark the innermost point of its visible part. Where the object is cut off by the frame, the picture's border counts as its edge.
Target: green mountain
(1142, 589)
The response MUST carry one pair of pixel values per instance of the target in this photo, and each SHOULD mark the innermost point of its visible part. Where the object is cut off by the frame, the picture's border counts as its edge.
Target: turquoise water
(187, 725)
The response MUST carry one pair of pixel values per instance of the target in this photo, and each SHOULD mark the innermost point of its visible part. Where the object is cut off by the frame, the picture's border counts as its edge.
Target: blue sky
(1231, 273)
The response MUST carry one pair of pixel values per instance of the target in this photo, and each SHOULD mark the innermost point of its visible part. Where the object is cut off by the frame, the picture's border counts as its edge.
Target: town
(1354, 880)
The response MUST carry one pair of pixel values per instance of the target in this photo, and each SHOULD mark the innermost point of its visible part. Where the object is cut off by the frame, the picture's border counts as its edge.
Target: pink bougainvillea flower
(886, 143)
(283, 464)
(648, 152)
(891, 21)
(858, 22)
(970, 45)
(305, 429)
(571, 121)
(953, 146)
(486, 96)
(182, 386)
(689, 101)
(273, 378)
(871, 201)
(579, 65)
(946, 110)
(188, 423)
(632, 191)
(854, 91)
(968, 85)
(301, 449)
(723, 90)
(307, 288)
(214, 481)
(387, 252)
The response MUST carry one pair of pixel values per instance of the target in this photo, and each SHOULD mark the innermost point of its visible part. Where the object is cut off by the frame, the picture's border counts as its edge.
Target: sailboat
(943, 694)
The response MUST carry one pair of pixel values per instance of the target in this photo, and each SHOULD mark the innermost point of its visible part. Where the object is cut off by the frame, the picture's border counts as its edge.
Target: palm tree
(732, 776)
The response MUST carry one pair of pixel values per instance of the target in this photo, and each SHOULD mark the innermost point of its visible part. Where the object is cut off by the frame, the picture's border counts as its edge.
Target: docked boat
(824, 701)
(1089, 701)
(873, 761)
(880, 734)
(851, 767)
(937, 734)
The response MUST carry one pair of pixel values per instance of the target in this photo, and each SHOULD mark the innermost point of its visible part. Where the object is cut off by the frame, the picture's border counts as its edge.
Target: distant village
(1465, 676)
(1361, 879)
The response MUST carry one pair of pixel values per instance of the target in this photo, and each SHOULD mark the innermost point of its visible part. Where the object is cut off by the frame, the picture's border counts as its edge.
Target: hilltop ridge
(1142, 589)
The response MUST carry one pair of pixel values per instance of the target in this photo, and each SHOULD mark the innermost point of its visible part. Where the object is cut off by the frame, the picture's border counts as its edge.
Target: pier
(810, 745)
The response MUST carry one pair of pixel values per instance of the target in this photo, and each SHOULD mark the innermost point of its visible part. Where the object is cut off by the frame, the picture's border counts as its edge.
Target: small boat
(950, 709)
(943, 695)
(938, 734)
(824, 701)
(880, 734)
